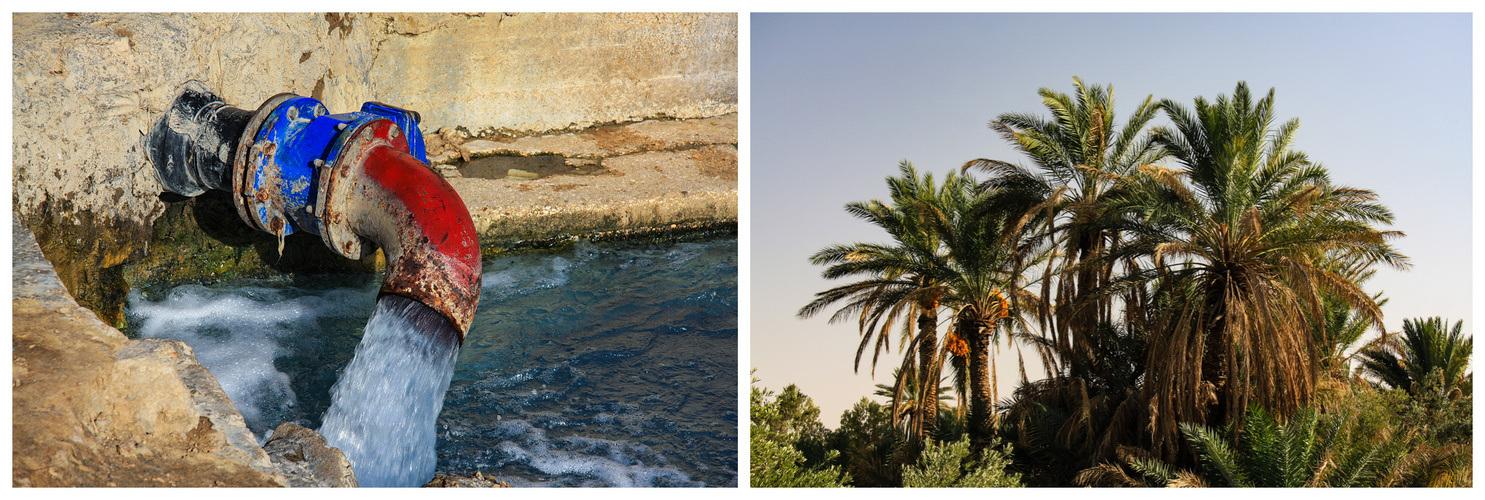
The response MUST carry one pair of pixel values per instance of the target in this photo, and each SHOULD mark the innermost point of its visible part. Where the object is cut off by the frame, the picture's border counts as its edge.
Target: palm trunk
(1214, 366)
(979, 378)
(928, 371)
(1089, 312)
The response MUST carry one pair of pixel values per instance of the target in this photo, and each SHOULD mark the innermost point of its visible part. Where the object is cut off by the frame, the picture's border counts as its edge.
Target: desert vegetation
(1195, 291)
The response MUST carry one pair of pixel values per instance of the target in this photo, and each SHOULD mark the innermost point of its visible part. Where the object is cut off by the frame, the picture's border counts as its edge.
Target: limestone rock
(88, 86)
(653, 173)
(456, 481)
(303, 456)
(93, 408)
(536, 72)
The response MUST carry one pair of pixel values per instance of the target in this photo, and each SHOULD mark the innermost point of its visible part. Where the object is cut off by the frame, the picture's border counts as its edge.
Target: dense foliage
(1194, 291)
(779, 425)
(945, 466)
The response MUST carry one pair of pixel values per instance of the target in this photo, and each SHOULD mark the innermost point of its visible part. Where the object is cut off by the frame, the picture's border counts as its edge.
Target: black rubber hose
(193, 144)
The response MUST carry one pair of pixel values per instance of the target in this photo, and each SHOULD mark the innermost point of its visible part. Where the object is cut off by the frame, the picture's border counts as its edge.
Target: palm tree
(953, 248)
(1426, 345)
(1062, 423)
(981, 281)
(897, 280)
(1081, 160)
(909, 404)
(1341, 326)
(1237, 232)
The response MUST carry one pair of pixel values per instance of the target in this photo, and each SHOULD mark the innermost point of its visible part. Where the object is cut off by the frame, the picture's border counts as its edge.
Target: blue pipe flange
(407, 120)
(287, 161)
(242, 196)
(281, 165)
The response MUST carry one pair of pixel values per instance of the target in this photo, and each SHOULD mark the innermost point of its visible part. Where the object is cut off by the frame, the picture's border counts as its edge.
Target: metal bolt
(392, 132)
(318, 163)
(293, 113)
(340, 126)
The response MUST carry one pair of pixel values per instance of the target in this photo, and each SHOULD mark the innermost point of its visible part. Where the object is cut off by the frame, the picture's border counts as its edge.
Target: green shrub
(943, 466)
(777, 465)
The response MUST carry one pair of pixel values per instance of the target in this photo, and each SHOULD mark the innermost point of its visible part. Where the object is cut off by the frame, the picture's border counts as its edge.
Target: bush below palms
(944, 466)
(1334, 450)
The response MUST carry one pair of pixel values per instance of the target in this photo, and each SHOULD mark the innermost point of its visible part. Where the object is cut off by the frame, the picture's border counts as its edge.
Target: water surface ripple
(596, 365)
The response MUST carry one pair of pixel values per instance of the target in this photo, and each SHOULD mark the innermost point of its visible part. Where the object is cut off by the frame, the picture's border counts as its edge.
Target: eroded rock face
(89, 86)
(93, 408)
(535, 72)
(626, 177)
(302, 455)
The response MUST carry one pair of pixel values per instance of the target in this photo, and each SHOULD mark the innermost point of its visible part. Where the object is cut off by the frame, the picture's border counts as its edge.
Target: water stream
(596, 365)
(383, 407)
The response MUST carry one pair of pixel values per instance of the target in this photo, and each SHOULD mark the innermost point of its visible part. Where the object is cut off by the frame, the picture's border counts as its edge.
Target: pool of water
(611, 364)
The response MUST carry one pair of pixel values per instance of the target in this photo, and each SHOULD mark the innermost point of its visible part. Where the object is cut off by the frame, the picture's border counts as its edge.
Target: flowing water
(597, 365)
(383, 407)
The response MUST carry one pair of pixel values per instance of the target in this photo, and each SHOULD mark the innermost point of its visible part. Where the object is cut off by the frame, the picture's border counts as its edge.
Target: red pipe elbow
(377, 191)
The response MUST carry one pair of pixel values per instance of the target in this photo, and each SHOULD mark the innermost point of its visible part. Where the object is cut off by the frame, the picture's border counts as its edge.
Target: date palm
(909, 403)
(896, 281)
(1340, 327)
(1426, 345)
(981, 283)
(1237, 231)
(1080, 159)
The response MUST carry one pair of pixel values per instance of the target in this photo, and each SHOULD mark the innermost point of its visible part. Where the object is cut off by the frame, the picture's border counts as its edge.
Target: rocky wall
(92, 408)
(87, 87)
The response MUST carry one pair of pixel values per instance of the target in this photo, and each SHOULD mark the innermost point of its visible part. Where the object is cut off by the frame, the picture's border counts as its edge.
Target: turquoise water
(597, 365)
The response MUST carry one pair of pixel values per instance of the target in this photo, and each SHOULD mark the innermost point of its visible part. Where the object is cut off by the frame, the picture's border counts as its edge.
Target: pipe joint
(192, 146)
(359, 180)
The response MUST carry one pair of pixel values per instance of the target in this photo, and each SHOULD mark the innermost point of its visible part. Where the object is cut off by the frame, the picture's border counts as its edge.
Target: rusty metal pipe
(379, 193)
(358, 180)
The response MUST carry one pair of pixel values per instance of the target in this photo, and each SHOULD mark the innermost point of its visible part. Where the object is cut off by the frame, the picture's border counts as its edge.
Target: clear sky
(837, 100)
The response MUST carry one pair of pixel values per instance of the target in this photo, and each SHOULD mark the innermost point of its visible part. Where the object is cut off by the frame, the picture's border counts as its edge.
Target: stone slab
(92, 408)
(307, 460)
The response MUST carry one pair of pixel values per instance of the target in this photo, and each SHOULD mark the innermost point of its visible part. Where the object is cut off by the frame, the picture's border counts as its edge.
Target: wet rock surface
(90, 251)
(454, 481)
(93, 408)
(202, 240)
(302, 456)
(527, 167)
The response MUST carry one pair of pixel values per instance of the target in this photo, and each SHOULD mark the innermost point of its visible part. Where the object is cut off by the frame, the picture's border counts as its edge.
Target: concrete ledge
(647, 174)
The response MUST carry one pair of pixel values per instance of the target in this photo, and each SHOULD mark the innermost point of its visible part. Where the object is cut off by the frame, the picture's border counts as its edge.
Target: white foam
(237, 335)
(549, 272)
(611, 463)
